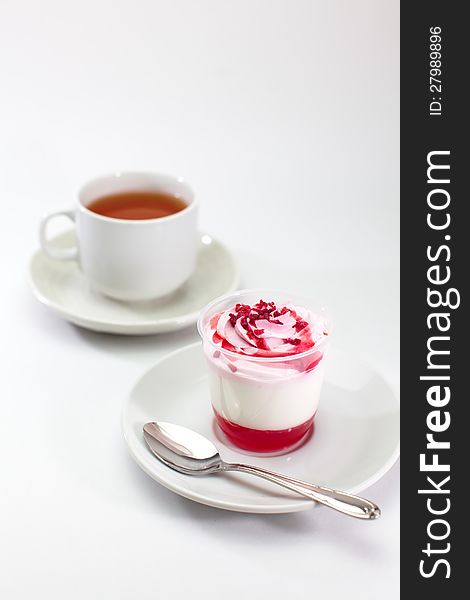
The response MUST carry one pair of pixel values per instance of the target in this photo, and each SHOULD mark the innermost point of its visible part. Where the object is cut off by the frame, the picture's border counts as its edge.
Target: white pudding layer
(269, 404)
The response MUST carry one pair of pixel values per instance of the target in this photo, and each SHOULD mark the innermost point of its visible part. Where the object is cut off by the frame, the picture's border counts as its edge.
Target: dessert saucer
(356, 439)
(61, 286)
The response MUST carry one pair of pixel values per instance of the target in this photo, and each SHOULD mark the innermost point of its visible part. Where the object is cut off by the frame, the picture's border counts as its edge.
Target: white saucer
(356, 438)
(62, 287)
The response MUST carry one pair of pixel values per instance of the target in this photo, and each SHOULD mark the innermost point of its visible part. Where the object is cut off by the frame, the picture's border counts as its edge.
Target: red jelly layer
(259, 440)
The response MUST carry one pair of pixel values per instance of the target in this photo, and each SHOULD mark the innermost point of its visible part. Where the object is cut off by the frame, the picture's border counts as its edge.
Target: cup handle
(51, 251)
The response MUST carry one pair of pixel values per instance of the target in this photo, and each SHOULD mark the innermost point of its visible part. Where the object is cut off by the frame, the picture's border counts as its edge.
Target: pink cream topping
(267, 330)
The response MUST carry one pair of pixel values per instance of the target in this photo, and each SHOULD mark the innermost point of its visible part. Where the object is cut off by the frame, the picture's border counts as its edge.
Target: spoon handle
(354, 506)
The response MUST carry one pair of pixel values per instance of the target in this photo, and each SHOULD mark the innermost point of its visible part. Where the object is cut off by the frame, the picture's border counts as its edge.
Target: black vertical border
(421, 134)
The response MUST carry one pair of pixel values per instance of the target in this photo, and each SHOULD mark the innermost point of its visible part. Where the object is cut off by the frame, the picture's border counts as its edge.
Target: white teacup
(126, 259)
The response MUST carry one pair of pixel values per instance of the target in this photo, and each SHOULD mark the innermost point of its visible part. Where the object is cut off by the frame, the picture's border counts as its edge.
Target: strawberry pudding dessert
(266, 354)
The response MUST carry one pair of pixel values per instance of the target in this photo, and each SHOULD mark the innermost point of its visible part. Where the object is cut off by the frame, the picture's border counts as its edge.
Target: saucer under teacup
(62, 287)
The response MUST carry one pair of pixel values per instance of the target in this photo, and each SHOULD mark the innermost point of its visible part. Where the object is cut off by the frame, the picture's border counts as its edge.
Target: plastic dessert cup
(266, 362)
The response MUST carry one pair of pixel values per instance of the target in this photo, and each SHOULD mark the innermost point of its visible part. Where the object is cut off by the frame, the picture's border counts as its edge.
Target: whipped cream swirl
(267, 330)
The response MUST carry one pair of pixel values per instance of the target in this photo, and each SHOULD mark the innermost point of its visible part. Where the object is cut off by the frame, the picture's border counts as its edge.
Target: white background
(283, 115)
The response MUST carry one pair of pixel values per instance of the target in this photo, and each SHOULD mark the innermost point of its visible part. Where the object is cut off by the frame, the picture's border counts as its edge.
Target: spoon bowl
(182, 449)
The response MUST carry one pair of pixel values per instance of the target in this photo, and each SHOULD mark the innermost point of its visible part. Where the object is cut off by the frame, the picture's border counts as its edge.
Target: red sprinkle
(293, 341)
(258, 331)
(300, 325)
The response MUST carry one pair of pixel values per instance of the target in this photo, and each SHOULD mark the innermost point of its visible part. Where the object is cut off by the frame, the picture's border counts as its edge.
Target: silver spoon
(189, 452)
